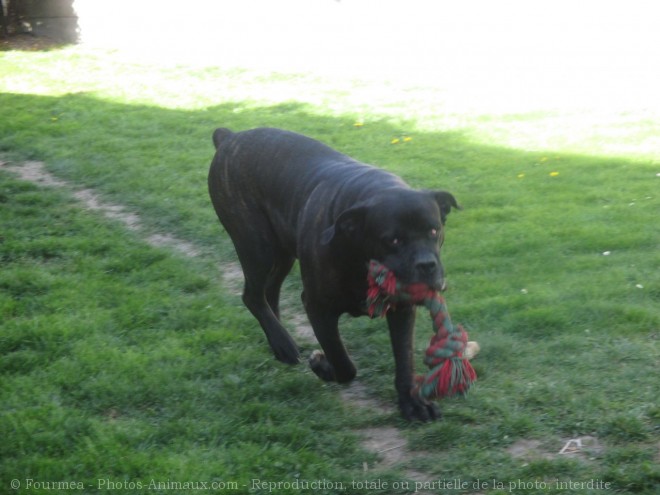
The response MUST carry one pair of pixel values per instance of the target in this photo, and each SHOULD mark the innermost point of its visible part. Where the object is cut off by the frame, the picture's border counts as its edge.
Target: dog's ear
(219, 135)
(445, 201)
(348, 224)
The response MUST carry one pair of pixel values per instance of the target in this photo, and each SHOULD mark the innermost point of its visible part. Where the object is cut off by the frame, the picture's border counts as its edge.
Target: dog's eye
(433, 233)
(393, 241)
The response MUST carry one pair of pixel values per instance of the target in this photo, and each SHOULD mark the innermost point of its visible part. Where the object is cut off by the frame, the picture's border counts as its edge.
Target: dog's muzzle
(429, 271)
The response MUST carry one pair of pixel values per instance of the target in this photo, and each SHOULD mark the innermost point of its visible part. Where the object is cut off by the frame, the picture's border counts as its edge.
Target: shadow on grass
(156, 160)
(530, 240)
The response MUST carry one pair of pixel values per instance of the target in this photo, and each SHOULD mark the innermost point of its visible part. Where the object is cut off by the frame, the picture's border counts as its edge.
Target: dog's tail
(219, 135)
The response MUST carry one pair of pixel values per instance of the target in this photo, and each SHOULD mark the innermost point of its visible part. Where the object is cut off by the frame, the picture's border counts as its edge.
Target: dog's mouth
(438, 285)
(433, 280)
(425, 270)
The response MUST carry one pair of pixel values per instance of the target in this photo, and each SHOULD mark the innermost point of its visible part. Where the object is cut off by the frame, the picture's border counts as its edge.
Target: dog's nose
(426, 265)
(429, 270)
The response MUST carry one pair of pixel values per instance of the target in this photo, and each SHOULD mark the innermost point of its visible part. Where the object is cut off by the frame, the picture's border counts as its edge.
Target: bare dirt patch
(33, 172)
(388, 443)
(392, 448)
(528, 449)
(232, 276)
(168, 240)
(584, 448)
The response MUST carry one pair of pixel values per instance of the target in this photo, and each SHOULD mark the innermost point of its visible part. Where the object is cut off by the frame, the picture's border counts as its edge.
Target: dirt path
(385, 441)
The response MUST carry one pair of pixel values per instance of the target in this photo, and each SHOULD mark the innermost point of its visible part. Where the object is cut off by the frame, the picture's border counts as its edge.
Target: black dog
(282, 196)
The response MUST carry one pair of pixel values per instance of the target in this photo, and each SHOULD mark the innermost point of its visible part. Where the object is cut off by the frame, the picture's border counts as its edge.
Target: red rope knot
(450, 373)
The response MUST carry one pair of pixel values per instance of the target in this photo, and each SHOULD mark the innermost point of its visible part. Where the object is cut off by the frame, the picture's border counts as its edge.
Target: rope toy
(450, 372)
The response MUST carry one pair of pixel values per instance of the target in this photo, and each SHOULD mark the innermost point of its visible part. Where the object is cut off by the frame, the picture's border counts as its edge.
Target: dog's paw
(419, 410)
(286, 351)
(321, 367)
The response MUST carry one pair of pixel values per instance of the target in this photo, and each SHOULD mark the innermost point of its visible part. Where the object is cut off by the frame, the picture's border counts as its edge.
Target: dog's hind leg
(281, 268)
(260, 284)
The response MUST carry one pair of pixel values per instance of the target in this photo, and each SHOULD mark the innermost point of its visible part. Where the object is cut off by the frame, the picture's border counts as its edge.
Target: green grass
(121, 361)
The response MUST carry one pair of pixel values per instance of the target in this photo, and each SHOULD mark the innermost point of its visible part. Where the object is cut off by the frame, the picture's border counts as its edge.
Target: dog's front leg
(333, 364)
(401, 323)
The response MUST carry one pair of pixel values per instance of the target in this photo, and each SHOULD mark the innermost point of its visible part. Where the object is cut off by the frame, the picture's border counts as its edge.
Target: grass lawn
(122, 363)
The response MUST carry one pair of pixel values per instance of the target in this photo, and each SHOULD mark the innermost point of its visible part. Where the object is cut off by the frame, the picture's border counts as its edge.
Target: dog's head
(401, 228)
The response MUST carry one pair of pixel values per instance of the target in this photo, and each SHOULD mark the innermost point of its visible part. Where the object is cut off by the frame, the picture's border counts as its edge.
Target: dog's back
(260, 168)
